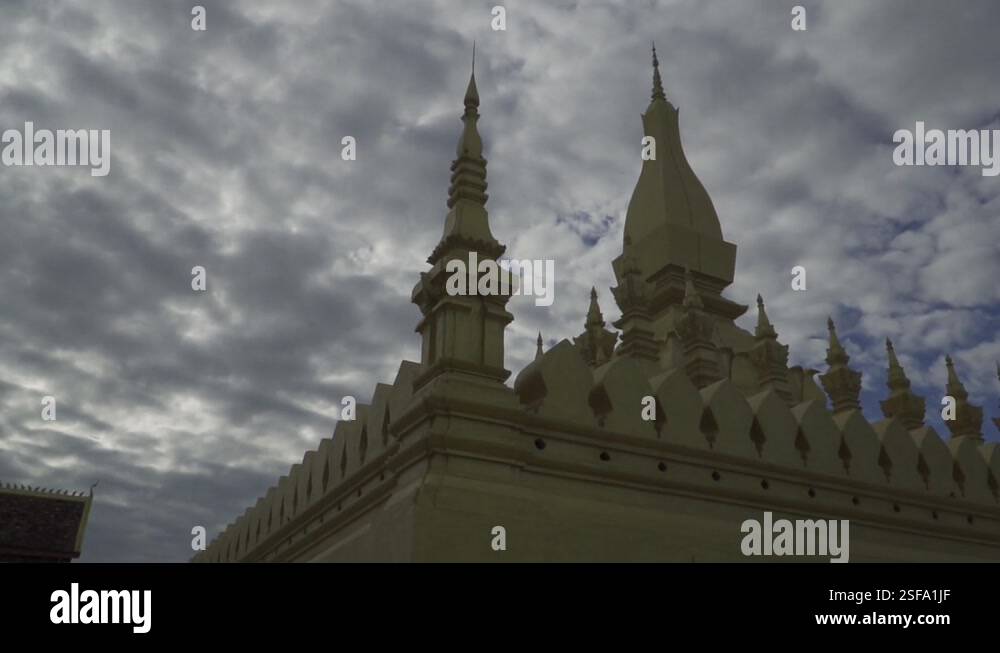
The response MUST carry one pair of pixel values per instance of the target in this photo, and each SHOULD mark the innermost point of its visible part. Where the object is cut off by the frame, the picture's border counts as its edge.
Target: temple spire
(463, 331)
(594, 315)
(764, 327)
(538, 346)
(835, 354)
(897, 381)
(902, 402)
(596, 344)
(467, 226)
(471, 92)
(657, 82)
(968, 418)
(842, 384)
(468, 171)
(769, 357)
(671, 222)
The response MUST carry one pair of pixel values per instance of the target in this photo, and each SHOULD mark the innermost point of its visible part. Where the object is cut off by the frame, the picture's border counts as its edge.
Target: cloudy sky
(226, 146)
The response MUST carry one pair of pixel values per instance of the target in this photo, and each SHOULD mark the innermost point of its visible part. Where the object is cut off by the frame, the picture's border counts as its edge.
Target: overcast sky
(226, 145)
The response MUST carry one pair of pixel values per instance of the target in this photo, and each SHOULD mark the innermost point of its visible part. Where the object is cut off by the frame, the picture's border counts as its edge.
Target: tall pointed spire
(468, 171)
(968, 418)
(467, 226)
(538, 346)
(902, 402)
(657, 82)
(463, 331)
(671, 222)
(842, 384)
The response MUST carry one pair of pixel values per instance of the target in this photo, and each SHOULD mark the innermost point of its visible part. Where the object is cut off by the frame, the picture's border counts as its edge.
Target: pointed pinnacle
(469, 181)
(764, 327)
(954, 387)
(891, 351)
(594, 315)
(471, 95)
(897, 380)
(538, 348)
(835, 355)
(657, 82)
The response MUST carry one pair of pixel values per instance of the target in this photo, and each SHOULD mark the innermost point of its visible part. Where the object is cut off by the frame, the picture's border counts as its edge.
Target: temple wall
(571, 489)
(658, 449)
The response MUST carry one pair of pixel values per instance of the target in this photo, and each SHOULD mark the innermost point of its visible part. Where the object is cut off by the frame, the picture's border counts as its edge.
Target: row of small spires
(44, 490)
(843, 384)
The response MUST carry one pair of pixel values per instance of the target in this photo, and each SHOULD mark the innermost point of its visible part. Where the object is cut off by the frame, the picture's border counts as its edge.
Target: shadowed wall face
(40, 527)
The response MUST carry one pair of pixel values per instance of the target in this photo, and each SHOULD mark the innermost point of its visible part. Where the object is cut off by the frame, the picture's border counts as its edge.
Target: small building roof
(38, 524)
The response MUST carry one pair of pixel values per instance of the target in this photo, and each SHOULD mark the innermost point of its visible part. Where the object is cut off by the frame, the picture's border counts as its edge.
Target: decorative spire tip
(658, 93)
